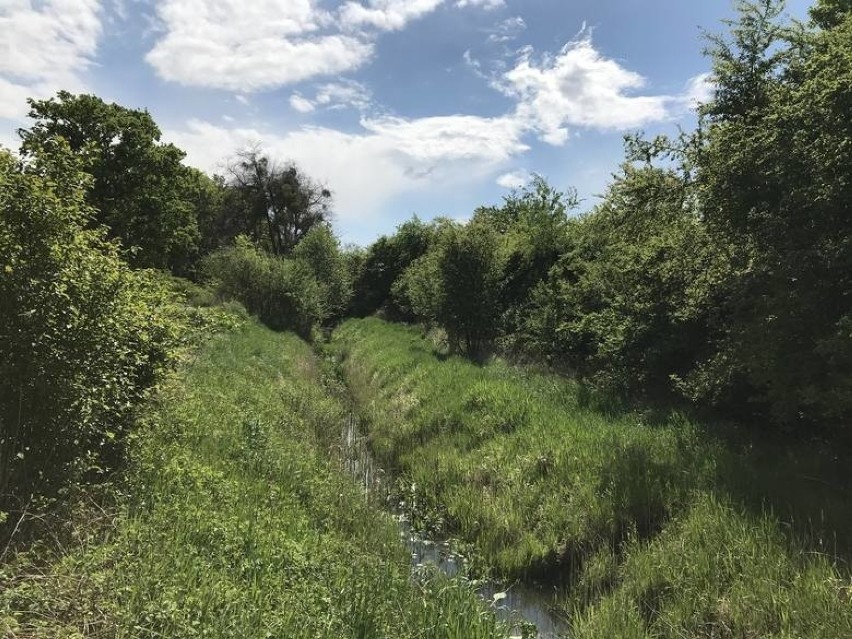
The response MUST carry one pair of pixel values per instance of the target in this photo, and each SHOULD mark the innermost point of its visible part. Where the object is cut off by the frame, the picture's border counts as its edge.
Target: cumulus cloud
(249, 46)
(387, 15)
(513, 180)
(44, 47)
(578, 87)
(485, 4)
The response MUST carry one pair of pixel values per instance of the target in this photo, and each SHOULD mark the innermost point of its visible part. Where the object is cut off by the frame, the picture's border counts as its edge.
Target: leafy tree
(828, 14)
(276, 206)
(776, 188)
(320, 251)
(627, 303)
(82, 336)
(456, 284)
(283, 293)
(140, 190)
(532, 224)
(385, 261)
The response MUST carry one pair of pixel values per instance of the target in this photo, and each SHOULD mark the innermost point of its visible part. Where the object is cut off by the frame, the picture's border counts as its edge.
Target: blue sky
(427, 107)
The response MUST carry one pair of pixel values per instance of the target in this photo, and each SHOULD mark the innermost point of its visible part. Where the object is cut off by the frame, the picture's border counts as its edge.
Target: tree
(776, 184)
(385, 262)
(82, 336)
(532, 225)
(139, 189)
(320, 251)
(274, 205)
(828, 14)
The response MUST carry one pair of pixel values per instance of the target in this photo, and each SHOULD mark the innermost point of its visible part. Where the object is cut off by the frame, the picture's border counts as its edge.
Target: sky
(401, 107)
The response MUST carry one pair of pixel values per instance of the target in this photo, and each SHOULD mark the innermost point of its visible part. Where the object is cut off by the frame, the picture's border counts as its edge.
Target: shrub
(284, 294)
(82, 336)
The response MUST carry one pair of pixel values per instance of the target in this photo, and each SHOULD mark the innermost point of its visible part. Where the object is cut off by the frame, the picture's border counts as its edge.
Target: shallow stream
(518, 604)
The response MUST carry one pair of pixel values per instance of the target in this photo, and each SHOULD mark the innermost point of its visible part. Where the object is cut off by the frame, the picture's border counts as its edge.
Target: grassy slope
(235, 523)
(639, 516)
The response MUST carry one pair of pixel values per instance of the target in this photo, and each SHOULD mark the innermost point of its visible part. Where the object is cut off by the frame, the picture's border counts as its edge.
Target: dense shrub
(385, 261)
(456, 284)
(284, 294)
(319, 250)
(81, 335)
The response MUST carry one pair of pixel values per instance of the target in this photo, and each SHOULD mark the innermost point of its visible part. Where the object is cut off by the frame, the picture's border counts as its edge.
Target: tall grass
(236, 523)
(543, 485)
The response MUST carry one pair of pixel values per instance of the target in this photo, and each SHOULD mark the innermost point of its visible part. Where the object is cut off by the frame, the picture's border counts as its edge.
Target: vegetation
(236, 521)
(654, 526)
(82, 336)
(696, 278)
(646, 403)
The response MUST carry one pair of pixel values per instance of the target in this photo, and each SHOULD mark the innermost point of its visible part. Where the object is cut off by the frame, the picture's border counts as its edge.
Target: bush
(82, 336)
(320, 252)
(284, 294)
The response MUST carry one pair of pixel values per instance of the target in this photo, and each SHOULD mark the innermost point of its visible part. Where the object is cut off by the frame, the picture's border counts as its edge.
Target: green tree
(320, 251)
(776, 186)
(140, 189)
(532, 224)
(275, 205)
(82, 336)
(385, 262)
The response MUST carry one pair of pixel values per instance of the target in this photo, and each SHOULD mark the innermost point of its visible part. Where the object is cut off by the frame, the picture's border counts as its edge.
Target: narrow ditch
(525, 607)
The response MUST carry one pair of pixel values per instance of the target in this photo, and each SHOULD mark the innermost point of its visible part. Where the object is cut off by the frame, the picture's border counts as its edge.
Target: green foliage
(274, 205)
(320, 251)
(532, 225)
(283, 293)
(828, 14)
(469, 269)
(627, 303)
(140, 190)
(385, 262)
(81, 335)
(642, 520)
(236, 523)
(456, 284)
(775, 188)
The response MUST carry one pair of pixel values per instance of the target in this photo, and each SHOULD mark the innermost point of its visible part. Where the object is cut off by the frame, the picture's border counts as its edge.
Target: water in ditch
(518, 604)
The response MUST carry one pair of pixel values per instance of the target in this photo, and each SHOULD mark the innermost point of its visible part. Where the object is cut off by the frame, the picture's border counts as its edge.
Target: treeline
(717, 267)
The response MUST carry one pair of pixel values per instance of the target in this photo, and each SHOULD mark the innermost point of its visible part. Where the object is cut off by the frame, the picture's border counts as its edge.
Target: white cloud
(249, 46)
(507, 30)
(300, 103)
(44, 46)
(387, 15)
(485, 4)
(699, 90)
(434, 140)
(389, 156)
(343, 94)
(578, 87)
(513, 180)
(334, 95)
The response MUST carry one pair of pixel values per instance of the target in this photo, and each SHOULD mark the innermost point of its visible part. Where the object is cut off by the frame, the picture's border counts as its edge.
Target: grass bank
(656, 528)
(233, 521)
